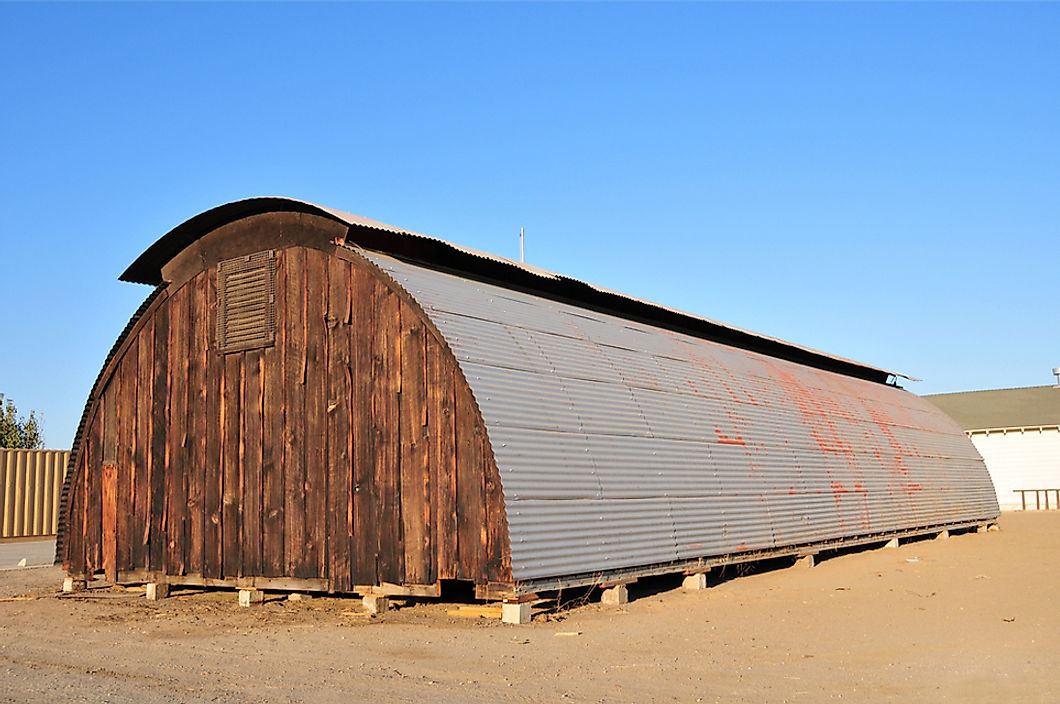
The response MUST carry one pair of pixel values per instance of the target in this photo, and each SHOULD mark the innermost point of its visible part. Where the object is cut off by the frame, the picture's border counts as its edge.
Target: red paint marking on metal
(724, 439)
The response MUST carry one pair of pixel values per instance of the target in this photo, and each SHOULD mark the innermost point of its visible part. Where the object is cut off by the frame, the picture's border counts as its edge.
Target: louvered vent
(246, 302)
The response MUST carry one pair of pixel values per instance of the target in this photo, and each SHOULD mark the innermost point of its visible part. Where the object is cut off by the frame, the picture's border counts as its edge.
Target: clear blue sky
(877, 181)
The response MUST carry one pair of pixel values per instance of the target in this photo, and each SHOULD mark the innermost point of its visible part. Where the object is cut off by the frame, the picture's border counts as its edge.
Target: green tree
(19, 431)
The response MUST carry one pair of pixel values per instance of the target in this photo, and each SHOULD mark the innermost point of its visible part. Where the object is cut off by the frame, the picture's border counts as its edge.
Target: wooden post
(110, 521)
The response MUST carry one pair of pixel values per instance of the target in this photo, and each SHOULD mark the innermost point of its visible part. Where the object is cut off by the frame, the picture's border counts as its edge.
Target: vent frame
(246, 302)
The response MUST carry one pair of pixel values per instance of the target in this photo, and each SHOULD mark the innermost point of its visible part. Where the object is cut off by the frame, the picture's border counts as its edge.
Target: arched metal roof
(620, 444)
(379, 236)
(631, 434)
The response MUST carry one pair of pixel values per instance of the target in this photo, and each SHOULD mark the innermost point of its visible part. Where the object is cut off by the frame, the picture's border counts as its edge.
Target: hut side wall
(350, 452)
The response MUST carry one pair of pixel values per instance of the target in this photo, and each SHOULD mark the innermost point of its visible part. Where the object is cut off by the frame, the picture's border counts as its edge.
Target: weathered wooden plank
(292, 327)
(72, 518)
(109, 500)
(140, 514)
(316, 413)
(386, 386)
(93, 508)
(159, 433)
(213, 468)
(496, 519)
(415, 477)
(195, 468)
(442, 459)
(470, 487)
(252, 458)
(232, 469)
(339, 437)
(272, 545)
(74, 537)
(364, 545)
(127, 441)
(176, 477)
(111, 394)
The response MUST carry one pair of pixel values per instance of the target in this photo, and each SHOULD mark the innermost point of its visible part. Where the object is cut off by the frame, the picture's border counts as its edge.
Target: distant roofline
(147, 269)
(987, 391)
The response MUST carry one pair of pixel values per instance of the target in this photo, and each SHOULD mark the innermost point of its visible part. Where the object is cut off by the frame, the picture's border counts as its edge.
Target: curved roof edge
(379, 236)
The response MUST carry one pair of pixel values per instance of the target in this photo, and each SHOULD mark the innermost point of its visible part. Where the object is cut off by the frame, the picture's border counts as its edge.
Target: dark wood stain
(349, 453)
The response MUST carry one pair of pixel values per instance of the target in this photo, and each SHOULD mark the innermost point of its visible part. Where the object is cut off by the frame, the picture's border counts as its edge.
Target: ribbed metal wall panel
(30, 486)
(622, 445)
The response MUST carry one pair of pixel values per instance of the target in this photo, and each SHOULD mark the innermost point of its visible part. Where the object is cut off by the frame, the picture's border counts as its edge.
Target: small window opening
(246, 302)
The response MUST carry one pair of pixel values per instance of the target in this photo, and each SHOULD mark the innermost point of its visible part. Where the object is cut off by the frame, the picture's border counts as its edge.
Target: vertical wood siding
(351, 450)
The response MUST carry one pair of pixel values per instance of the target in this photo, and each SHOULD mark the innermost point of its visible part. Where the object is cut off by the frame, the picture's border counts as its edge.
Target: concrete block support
(615, 595)
(156, 590)
(943, 535)
(694, 582)
(993, 528)
(805, 561)
(376, 604)
(892, 543)
(251, 596)
(515, 613)
(72, 585)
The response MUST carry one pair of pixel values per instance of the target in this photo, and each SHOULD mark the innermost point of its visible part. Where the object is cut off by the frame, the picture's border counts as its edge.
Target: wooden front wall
(350, 451)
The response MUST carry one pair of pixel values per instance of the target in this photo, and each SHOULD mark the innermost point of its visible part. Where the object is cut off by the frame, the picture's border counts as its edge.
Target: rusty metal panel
(30, 485)
(621, 445)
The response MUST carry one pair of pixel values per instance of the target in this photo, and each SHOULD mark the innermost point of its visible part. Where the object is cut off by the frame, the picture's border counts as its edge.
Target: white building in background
(1017, 431)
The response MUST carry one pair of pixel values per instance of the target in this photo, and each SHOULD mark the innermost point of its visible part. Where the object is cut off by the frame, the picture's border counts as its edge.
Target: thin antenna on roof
(522, 254)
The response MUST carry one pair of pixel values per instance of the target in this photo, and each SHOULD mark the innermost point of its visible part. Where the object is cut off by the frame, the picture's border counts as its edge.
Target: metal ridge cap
(147, 267)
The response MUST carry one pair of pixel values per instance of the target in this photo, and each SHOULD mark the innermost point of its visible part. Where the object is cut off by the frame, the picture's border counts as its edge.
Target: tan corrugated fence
(30, 485)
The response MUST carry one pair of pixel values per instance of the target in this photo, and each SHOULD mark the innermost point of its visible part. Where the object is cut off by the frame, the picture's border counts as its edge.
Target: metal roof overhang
(379, 236)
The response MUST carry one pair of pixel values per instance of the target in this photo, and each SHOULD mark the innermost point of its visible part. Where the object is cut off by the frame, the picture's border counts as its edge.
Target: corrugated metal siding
(621, 445)
(30, 486)
(1021, 459)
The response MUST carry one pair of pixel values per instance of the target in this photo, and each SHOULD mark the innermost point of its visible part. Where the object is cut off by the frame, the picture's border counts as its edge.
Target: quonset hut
(311, 400)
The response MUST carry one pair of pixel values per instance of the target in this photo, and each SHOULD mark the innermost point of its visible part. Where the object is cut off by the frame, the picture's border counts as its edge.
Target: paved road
(36, 552)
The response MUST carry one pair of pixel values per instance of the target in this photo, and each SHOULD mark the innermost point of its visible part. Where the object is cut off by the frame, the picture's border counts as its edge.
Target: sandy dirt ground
(969, 619)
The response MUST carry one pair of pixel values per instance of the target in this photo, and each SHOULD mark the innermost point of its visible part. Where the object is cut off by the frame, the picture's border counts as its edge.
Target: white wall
(1021, 459)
